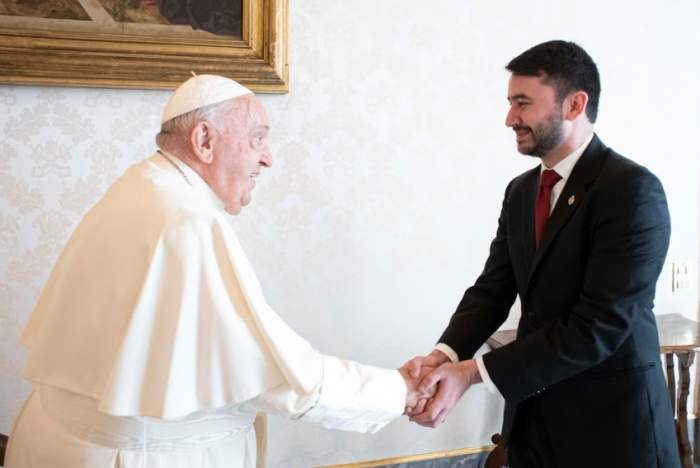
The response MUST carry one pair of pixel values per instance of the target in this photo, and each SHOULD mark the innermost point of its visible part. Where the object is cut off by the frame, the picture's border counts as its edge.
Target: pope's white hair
(178, 128)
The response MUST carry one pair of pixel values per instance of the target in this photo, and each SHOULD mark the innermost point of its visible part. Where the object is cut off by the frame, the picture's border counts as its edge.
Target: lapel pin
(571, 200)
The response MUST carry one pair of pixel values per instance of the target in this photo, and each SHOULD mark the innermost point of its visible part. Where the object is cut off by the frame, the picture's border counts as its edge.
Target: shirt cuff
(449, 352)
(485, 376)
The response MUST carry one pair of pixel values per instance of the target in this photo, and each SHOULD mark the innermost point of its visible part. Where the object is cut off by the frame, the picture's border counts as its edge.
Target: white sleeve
(333, 392)
(351, 397)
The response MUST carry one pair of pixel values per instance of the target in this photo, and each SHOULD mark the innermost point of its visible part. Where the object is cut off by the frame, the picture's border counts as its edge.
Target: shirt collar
(566, 165)
(192, 178)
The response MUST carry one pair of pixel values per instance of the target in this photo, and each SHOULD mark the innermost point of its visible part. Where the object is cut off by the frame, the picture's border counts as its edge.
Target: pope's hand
(413, 394)
(417, 368)
(452, 380)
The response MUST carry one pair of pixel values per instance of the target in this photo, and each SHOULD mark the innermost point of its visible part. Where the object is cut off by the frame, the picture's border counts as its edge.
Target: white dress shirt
(563, 168)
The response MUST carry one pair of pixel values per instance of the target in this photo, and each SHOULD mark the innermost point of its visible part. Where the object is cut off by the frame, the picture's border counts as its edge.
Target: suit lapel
(583, 175)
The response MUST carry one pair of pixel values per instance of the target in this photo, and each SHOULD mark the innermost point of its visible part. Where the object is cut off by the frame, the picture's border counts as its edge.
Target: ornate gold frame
(258, 60)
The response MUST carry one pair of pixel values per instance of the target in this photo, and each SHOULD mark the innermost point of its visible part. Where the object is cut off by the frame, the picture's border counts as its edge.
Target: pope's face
(240, 153)
(535, 115)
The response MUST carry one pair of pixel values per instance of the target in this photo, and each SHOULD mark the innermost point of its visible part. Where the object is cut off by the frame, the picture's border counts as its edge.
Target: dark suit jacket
(587, 342)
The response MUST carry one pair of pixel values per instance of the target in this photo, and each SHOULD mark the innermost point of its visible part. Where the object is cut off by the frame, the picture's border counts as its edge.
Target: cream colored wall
(391, 157)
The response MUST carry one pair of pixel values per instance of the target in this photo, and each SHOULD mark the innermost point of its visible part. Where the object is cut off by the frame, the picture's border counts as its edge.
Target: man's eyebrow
(519, 97)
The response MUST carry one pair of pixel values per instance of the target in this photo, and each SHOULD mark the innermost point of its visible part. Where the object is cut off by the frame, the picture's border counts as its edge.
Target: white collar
(566, 165)
(192, 178)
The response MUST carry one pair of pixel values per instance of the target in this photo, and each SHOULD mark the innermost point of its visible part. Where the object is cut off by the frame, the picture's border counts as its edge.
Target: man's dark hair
(565, 66)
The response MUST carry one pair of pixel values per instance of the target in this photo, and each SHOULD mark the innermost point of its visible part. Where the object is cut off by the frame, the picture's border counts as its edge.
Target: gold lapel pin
(571, 200)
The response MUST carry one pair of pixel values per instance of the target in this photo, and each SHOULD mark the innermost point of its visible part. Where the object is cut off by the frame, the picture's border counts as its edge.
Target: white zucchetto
(200, 91)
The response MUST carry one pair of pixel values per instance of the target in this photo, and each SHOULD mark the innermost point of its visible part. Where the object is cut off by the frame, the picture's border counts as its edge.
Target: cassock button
(571, 200)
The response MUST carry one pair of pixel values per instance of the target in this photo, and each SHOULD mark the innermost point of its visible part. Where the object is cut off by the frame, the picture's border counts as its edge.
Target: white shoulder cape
(153, 308)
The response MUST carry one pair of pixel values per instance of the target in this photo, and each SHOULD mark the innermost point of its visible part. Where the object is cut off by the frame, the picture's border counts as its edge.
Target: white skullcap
(200, 91)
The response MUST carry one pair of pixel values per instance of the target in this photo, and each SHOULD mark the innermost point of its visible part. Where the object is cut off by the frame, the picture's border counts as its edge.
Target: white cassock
(152, 344)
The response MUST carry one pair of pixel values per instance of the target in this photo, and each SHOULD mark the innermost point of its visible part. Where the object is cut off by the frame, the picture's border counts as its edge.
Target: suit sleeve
(629, 239)
(485, 305)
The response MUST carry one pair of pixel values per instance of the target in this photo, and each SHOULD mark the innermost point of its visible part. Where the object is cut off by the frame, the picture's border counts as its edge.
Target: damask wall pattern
(58, 155)
(390, 157)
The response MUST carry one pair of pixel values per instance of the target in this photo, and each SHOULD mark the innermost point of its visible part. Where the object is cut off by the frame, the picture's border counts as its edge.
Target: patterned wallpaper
(390, 159)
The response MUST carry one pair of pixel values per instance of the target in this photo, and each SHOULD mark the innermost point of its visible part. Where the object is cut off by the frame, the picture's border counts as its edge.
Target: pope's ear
(202, 141)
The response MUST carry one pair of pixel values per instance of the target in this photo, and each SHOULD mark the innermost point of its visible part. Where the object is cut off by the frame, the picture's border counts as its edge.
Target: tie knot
(548, 178)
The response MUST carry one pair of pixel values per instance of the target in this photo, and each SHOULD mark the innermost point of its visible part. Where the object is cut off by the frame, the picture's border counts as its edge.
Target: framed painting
(143, 43)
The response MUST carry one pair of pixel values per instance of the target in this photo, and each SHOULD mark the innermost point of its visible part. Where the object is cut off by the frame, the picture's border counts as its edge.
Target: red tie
(547, 180)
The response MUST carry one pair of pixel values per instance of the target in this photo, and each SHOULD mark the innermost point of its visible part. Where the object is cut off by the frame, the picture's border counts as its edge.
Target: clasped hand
(441, 384)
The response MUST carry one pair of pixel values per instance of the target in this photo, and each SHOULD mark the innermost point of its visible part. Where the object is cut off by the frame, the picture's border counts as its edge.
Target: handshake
(435, 385)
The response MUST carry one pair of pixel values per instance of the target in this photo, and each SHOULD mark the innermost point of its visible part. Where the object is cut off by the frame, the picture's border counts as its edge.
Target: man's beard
(545, 136)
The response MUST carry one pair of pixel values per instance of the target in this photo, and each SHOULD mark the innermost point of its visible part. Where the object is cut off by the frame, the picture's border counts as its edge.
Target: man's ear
(575, 105)
(202, 141)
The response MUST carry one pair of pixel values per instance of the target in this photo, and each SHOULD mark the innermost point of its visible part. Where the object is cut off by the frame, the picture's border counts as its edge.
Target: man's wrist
(440, 356)
(472, 370)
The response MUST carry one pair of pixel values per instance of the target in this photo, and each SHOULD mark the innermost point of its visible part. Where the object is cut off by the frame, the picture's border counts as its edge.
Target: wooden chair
(3, 446)
(498, 458)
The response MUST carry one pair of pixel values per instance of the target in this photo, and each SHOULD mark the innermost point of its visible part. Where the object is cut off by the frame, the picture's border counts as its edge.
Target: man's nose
(511, 117)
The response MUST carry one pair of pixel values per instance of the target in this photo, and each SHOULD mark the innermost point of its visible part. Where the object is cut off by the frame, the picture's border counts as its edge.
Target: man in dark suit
(581, 240)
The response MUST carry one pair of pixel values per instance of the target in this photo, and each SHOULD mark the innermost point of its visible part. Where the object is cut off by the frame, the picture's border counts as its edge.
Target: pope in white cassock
(152, 344)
